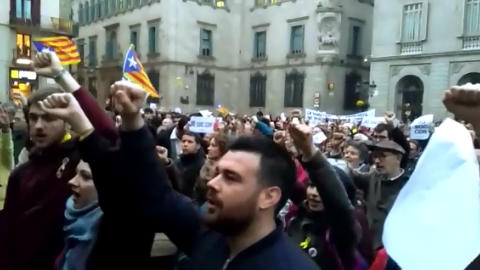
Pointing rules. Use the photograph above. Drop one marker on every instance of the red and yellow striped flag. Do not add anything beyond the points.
(65, 49)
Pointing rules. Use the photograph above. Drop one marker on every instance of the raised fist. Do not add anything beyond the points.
(47, 64)
(66, 107)
(128, 99)
(464, 102)
(302, 137)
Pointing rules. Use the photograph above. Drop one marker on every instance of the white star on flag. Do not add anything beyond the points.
(132, 62)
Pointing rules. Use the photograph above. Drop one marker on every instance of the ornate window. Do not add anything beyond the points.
(258, 90)
(111, 50)
(92, 11)
(260, 44)
(297, 39)
(294, 82)
(81, 18)
(87, 12)
(205, 89)
(206, 43)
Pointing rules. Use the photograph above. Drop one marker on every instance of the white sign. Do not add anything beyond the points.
(319, 138)
(372, 122)
(441, 196)
(153, 106)
(313, 117)
(26, 74)
(420, 127)
(202, 124)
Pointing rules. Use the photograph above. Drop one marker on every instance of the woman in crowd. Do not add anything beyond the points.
(356, 156)
(217, 148)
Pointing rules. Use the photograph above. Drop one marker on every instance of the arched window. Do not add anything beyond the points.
(409, 97)
(111, 50)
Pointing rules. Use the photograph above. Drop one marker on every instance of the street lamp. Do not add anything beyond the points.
(372, 89)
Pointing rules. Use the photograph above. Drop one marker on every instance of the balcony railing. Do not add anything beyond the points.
(471, 43)
(409, 48)
(56, 25)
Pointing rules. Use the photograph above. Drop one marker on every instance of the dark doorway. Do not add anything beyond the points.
(472, 77)
(351, 95)
(409, 98)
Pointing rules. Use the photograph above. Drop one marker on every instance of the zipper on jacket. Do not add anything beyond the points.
(225, 265)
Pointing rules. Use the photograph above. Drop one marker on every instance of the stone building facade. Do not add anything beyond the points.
(241, 54)
(417, 54)
(21, 21)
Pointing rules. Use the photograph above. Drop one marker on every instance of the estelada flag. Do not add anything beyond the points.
(65, 49)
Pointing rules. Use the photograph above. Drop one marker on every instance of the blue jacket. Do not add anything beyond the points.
(167, 212)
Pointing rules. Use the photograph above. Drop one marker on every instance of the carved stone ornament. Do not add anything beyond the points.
(425, 69)
(456, 67)
(328, 32)
(396, 70)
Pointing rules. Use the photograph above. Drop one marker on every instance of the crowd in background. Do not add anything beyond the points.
(86, 187)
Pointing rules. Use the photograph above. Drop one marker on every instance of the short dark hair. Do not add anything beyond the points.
(383, 127)
(42, 94)
(361, 147)
(148, 110)
(276, 167)
(197, 137)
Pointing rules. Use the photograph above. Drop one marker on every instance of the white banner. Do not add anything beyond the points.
(372, 122)
(314, 116)
(202, 124)
(420, 127)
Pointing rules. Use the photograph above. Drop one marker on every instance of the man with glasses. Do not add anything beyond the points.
(382, 185)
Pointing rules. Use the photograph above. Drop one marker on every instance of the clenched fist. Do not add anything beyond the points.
(47, 64)
(128, 100)
(302, 137)
(66, 107)
(464, 102)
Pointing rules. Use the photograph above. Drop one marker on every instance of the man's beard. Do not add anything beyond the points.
(232, 223)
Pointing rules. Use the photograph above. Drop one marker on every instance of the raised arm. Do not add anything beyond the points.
(156, 201)
(338, 208)
(99, 119)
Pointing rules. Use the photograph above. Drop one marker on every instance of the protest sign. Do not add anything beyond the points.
(372, 122)
(434, 221)
(420, 127)
(202, 124)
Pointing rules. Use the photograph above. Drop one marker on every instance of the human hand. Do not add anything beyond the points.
(390, 118)
(279, 137)
(302, 138)
(162, 153)
(128, 99)
(47, 64)
(21, 98)
(66, 107)
(4, 120)
(464, 102)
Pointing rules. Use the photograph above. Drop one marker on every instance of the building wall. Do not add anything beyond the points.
(50, 12)
(440, 64)
(233, 39)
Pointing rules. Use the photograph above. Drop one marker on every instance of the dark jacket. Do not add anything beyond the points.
(189, 167)
(31, 230)
(163, 140)
(397, 136)
(167, 211)
(125, 238)
(336, 223)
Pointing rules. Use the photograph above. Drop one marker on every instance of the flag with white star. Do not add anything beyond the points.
(134, 72)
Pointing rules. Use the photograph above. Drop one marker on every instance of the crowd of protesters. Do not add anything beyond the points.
(133, 187)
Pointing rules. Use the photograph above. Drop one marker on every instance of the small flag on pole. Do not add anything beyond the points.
(63, 47)
(134, 72)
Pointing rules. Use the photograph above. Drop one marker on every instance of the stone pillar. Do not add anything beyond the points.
(329, 19)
